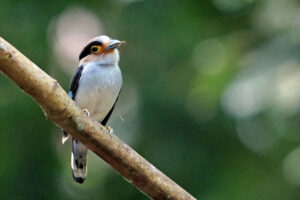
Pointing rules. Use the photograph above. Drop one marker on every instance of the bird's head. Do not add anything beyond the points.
(101, 49)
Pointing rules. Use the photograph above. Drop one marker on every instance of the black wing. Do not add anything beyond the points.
(75, 82)
(104, 121)
(72, 93)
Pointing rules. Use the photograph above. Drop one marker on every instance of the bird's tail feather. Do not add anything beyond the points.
(79, 161)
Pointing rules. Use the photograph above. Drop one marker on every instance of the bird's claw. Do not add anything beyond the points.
(109, 129)
(64, 137)
(86, 112)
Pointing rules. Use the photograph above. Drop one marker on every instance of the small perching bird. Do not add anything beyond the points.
(95, 87)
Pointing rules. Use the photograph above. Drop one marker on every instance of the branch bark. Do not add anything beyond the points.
(62, 111)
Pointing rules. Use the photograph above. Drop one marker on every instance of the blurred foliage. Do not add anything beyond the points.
(211, 97)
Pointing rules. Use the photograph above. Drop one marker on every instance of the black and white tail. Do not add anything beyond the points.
(79, 161)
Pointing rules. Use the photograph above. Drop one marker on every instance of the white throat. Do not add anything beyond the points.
(109, 58)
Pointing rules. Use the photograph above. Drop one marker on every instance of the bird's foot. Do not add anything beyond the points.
(109, 129)
(64, 137)
(86, 112)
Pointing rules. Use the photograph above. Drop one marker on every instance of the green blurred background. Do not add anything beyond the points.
(211, 96)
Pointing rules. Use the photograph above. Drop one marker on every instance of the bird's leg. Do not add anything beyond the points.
(86, 112)
(64, 137)
(109, 129)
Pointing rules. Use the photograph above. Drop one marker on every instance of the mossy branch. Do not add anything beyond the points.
(62, 111)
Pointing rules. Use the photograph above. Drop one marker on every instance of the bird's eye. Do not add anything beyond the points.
(95, 49)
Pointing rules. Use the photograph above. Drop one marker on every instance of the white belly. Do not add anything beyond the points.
(98, 89)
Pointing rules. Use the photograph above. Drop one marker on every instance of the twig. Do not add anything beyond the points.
(61, 110)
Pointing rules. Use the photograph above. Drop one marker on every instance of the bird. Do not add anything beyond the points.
(95, 87)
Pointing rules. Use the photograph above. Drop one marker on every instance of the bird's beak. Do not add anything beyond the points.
(113, 44)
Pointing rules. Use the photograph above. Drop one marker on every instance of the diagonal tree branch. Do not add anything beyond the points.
(62, 111)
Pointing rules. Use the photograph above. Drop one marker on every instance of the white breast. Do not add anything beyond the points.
(98, 89)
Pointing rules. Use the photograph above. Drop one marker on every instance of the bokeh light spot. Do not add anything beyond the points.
(291, 167)
(255, 135)
(209, 56)
(245, 97)
(287, 88)
(230, 6)
(70, 31)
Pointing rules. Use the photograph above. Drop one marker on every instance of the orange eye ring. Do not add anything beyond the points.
(95, 49)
